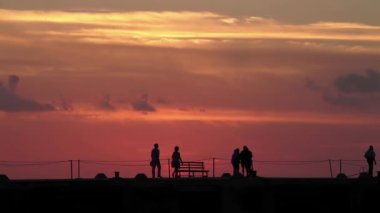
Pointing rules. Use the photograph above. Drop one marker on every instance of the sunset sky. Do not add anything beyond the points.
(105, 80)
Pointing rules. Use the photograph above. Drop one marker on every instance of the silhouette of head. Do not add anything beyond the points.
(176, 148)
(245, 148)
(156, 145)
(371, 147)
(237, 150)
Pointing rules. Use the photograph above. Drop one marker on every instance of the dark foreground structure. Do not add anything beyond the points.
(184, 195)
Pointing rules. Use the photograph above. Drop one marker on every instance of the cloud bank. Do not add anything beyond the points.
(11, 102)
(143, 105)
(355, 83)
(106, 104)
(354, 90)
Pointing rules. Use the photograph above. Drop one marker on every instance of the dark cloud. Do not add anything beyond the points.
(354, 83)
(106, 104)
(11, 102)
(143, 105)
(13, 81)
(352, 91)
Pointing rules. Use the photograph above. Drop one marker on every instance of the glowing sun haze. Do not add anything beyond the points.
(105, 81)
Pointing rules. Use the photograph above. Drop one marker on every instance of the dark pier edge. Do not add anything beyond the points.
(209, 195)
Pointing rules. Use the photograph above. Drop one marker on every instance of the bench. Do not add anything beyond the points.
(191, 168)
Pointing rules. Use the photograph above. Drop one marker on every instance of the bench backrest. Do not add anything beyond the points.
(192, 168)
(192, 165)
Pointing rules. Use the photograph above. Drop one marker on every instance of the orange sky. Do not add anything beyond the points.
(107, 84)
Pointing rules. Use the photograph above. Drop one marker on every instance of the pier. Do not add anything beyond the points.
(183, 195)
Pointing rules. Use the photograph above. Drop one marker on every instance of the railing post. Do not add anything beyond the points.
(331, 172)
(213, 167)
(78, 169)
(169, 167)
(71, 169)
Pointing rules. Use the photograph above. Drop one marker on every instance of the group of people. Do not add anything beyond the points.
(243, 158)
(239, 158)
(155, 161)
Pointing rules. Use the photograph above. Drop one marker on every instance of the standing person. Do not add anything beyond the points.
(155, 162)
(176, 161)
(235, 161)
(246, 160)
(370, 156)
(242, 165)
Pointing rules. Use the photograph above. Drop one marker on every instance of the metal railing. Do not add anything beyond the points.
(217, 166)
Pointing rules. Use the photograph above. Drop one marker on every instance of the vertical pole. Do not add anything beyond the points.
(78, 169)
(331, 172)
(117, 175)
(213, 167)
(169, 167)
(340, 166)
(71, 169)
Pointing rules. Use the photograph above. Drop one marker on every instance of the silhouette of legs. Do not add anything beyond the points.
(370, 167)
(154, 165)
(175, 173)
(153, 171)
(236, 169)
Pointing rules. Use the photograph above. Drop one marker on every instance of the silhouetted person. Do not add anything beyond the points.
(235, 161)
(242, 166)
(246, 160)
(370, 156)
(155, 162)
(176, 161)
